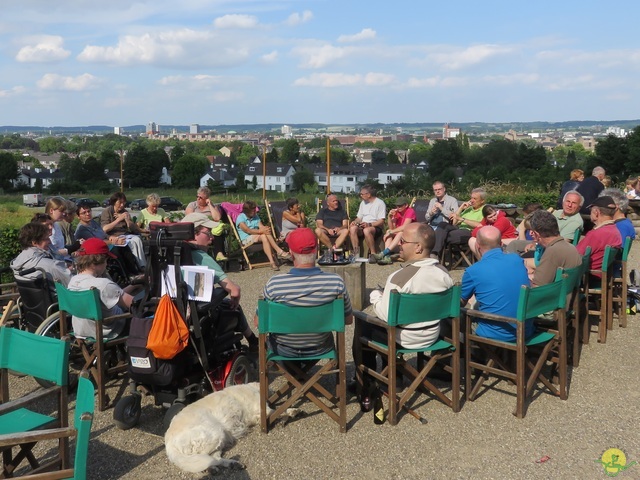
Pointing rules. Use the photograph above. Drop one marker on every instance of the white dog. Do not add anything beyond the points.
(200, 432)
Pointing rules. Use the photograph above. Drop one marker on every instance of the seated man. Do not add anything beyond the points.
(34, 240)
(558, 253)
(202, 240)
(461, 222)
(91, 262)
(495, 281)
(116, 221)
(623, 224)
(399, 218)
(603, 234)
(332, 224)
(369, 221)
(421, 274)
(305, 285)
(440, 207)
(569, 219)
(203, 204)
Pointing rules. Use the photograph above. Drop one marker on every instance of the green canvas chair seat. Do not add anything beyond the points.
(531, 355)
(301, 379)
(405, 310)
(21, 427)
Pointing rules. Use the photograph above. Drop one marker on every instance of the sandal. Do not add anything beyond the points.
(275, 267)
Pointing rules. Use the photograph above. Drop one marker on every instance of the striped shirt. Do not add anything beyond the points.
(306, 287)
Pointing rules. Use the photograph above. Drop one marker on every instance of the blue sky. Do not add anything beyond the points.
(125, 62)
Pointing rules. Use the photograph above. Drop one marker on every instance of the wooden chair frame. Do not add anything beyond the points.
(274, 213)
(525, 374)
(601, 293)
(620, 285)
(301, 381)
(404, 310)
(45, 358)
(86, 304)
(248, 249)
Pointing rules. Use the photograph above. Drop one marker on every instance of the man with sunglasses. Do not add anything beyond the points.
(420, 274)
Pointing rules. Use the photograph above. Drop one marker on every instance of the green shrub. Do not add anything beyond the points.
(9, 246)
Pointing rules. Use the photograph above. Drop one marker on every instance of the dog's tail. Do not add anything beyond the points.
(192, 462)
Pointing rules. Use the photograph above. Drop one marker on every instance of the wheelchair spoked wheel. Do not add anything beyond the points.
(241, 371)
(126, 413)
(51, 328)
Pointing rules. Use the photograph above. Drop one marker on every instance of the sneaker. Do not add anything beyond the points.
(373, 259)
(378, 256)
(386, 260)
(220, 257)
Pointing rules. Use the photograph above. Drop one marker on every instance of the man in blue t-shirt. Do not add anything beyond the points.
(495, 281)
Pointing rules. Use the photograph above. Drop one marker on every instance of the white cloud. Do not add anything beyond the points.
(45, 48)
(17, 90)
(364, 34)
(195, 81)
(320, 56)
(513, 79)
(174, 48)
(297, 19)
(53, 81)
(473, 55)
(437, 81)
(269, 58)
(236, 21)
(331, 80)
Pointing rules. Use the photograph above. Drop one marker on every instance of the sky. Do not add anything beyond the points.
(214, 62)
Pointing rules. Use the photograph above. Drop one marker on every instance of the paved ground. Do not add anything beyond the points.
(483, 441)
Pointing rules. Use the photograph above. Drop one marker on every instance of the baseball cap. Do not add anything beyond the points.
(605, 201)
(94, 246)
(402, 201)
(199, 220)
(302, 240)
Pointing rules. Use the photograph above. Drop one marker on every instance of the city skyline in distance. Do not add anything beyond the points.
(247, 62)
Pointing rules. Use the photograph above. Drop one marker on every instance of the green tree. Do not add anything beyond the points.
(143, 167)
(392, 158)
(290, 151)
(188, 170)
(612, 153)
(418, 152)
(8, 169)
(302, 178)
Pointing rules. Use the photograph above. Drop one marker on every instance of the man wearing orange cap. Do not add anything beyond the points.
(305, 285)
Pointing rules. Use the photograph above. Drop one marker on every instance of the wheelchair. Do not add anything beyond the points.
(214, 358)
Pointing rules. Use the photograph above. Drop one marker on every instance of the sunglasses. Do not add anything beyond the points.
(403, 241)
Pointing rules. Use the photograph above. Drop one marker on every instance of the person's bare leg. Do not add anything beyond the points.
(369, 237)
(324, 238)
(266, 246)
(342, 238)
(353, 234)
(474, 247)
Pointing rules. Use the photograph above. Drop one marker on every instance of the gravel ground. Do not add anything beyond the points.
(483, 440)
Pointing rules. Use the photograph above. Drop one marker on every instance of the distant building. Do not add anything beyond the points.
(194, 128)
(279, 177)
(617, 131)
(450, 132)
(226, 151)
(287, 131)
(118, 130)
(152, 128)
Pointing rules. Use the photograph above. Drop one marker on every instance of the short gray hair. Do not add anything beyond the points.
(574, 192)
(622, 202)
(153, 199)
(204, 191)
(480, 191)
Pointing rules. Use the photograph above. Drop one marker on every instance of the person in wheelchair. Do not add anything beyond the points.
(35, 240)
(203, 238)
(91, 263)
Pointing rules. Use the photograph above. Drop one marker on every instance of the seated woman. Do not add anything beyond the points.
(202, 240)
(116, 221)
(56, 208)
(497, 218)
(203, 204)
(397, 220)
(35, 240)
(88, 228)
(251, 230)
(153, 213)
(91, 263)
(292, 218)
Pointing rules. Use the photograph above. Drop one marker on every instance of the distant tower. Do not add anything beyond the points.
(118, 130)
(287, 131)
(194, 128)
(152, 128)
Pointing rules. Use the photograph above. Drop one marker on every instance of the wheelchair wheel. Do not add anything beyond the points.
(126, 413)
(240, 373)
(50, 327)
(172, 411)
